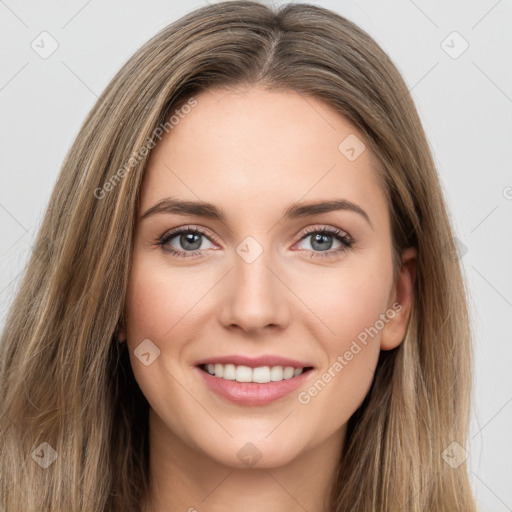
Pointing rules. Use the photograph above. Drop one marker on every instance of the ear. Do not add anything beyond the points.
(400, 302)
(121, 332)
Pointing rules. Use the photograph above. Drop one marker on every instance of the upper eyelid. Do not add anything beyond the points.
(322, 227)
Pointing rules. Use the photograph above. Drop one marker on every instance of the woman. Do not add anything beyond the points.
(190, 336)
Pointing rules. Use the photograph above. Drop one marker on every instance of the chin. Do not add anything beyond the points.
(259, 453)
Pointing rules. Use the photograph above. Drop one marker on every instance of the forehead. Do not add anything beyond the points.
(258, 150)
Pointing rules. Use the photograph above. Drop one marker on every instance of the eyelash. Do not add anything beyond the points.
(346, 241)
(341, 236)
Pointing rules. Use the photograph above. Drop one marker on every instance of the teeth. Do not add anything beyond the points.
(261, 374)
(219, 370)
(243, 374)
(229, 372)
(276, 373)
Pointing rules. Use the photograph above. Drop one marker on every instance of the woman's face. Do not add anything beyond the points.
(260, 286)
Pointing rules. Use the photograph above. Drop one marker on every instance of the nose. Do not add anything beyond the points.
(255, 297)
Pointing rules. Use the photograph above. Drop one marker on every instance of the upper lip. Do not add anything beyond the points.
(254, 362)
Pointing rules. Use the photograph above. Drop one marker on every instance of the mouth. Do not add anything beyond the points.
(253, 386)
(259, 374)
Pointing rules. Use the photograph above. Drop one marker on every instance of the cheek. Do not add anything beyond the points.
(347, 305)
(347, 301)
(157, 299)
(358, 306)
(157, 303)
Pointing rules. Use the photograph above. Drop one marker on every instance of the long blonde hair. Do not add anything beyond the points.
(65, 381)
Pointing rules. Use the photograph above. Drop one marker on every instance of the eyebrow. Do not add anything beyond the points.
(210, 211)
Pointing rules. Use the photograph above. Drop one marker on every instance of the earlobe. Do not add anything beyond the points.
(401, 300)
(121, 333)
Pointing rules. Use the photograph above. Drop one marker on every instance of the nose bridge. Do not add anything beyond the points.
(256, 296)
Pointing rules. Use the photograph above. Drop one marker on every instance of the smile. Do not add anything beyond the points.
(261, 385)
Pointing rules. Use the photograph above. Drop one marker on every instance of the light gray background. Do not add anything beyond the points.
(465, 104)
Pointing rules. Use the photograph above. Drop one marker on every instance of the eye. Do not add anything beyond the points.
(322, 240)
(186, 242)
(188, 239)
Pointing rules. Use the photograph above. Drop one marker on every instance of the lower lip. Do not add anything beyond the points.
(252, 393)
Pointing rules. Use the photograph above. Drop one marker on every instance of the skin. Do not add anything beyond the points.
(252, 153)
